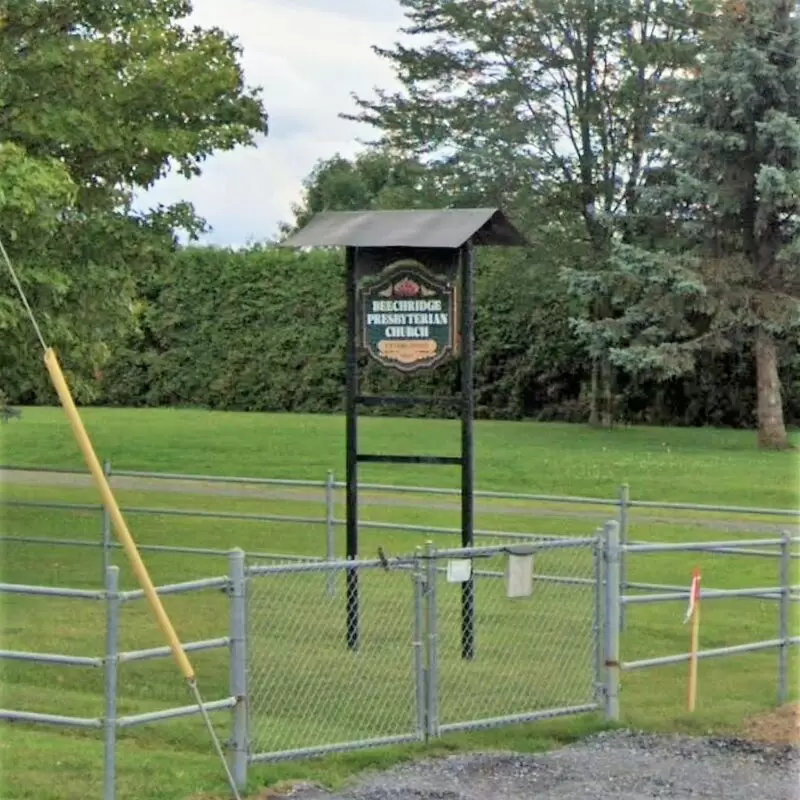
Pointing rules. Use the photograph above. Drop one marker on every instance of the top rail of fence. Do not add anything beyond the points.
(727, 546)
(177, 476)
(51, 591)
(578, 500)
(173, 476)
(60, 470)
(430, 490)
(754, 510)
(186, 587)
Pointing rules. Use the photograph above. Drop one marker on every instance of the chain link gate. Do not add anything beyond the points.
(309, 693)
(535, 656)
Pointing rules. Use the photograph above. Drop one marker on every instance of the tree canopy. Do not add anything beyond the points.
(664, 138)
(99, 99)
(649, 150)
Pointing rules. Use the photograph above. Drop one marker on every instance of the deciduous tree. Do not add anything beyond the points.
(554, 98)
(99, 99)
(374, 179)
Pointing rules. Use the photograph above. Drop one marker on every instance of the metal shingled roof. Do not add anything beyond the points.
(449, 228)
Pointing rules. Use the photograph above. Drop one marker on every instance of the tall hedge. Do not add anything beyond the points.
(250, 330)
(263, 329)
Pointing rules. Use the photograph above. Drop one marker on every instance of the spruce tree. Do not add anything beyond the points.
(730, 200)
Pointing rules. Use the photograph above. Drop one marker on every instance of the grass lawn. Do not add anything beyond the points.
(660, 464)
(172, 761)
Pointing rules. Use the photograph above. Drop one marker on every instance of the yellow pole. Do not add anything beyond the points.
(109, 501)
(694, 648)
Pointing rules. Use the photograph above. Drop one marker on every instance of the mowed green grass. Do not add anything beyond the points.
(673, 464)
(532, 653)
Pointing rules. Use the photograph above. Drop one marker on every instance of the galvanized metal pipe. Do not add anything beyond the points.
(51, 591)
(679, 547)
(240, 745)
(612, 625)
(330, 749)
(174, 713)
(783, 621)
(179, 588)
(630, 666)
(624, 502)
(330, 531)
(158, 548)
(597, 622)
(178, 476)
(517, 719)
(705, 594)
(432, 642)
(431, 490)
(162, 652)
(396, 526)
(108, 534)
(50, 658)
(50, 719)
(113, 609)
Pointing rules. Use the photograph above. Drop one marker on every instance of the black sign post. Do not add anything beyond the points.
(467, 442)
(410, 306)
(351, 455)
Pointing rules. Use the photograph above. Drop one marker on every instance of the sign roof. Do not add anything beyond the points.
(446, 228)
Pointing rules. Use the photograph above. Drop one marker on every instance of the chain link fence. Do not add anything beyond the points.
(435, 650)
(535, 654)
(309, 691)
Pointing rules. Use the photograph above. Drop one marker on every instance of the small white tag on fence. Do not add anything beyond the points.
(519, 576)
(459, 570)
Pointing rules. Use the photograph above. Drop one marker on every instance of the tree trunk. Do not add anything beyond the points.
(607, 373)
(771, 427)
(594, 395)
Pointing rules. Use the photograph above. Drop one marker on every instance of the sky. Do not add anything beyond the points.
(308, 55)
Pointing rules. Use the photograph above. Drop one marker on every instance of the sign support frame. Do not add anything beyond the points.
(465, 308)
(441, 241)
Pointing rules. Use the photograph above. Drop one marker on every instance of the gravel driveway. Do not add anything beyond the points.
(608, 766)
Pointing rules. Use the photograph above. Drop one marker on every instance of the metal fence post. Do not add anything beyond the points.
(106, 527)
(419, 647)
(330, 530)
(238, 667)
(612, 608)
(624, 501)
(783, 621)
(432, 649)
(111, 665)
(597, 626)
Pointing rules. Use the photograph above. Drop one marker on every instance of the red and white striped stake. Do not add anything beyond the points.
(693, 614)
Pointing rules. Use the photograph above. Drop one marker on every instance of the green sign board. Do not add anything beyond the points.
(408, 317)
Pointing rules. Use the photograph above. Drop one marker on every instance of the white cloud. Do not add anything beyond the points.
(308, 55)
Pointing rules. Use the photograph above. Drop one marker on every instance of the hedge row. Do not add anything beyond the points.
(264, 330)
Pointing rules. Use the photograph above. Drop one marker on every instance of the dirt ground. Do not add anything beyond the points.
(781, 726)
